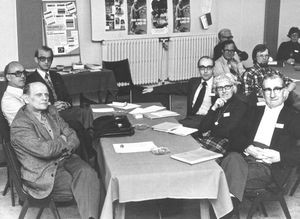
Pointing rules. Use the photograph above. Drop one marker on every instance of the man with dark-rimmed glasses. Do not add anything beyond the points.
(12, 99)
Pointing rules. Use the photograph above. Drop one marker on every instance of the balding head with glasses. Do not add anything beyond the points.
(15, 74)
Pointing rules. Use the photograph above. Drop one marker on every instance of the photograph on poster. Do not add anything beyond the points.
(137, 17)
(159, 19)
(115, 15)
(61, 27)
(181, 14)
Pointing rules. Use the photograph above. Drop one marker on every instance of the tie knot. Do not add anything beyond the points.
(47, 75)
(204, 83)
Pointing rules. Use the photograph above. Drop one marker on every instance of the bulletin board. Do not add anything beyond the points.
(60, 24)
(121, 19)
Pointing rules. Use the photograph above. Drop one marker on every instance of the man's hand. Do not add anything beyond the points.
(219, 103)
(147, 90)
(271, 156)
(255, 152)
(291, 61)
(61, 105)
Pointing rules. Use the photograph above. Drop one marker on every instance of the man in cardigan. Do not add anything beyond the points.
(198, 91)
(264, 146)
(44, 145)
(58, 93)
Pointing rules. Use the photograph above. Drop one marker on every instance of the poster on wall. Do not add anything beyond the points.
(115, 15)
(137, 17)
(181, 15)
(159, 19)
(61, 27)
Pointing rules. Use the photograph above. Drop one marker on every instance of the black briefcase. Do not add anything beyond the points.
(112, 126)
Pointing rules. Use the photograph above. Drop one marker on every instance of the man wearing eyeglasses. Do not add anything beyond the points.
(58, 93)
(229, 62)
(264, 146)
(12, 99)
(225, 34)
(253, 77)
(198, 91)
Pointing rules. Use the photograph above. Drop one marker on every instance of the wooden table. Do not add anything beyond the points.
(143, 176)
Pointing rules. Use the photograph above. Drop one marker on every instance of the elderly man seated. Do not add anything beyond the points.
(224, 116)
(229, 62)
(264, 146)
(44, 145)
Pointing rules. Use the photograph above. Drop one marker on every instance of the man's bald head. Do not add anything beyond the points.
(15, 74)
(36, 96)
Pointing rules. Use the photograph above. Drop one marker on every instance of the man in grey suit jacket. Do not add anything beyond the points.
(44, 145)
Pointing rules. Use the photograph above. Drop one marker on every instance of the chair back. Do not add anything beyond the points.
(4, 128)
(14, 168)
(121, 71)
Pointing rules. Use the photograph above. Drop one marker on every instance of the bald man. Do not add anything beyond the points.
(223, 35)
(45, 147)
(12, 99)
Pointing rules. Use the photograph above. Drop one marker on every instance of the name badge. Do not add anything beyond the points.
(279, 125)
(297, 51)
(212, 94)
(261, 103)
(226, 114)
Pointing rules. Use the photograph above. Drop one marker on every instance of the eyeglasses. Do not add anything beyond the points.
(229, 50)
(43, 59)
(224, 88)
(202, 67)
(18, 73)
(228, 37)
(276, 90)
(263, 56)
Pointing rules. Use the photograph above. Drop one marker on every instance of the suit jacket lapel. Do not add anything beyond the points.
(281, 120)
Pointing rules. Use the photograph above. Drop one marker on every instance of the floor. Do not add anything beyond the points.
(166, 209)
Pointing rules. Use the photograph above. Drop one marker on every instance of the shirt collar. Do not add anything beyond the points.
(209, 82)
(276, 109)
(15, 91)
(41, 72)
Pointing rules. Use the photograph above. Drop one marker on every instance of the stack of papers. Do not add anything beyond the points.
(134, 147)
(148, 109)
(124, 105)
(196, 156)
(161, 114)
(102, 110)
(174, 128)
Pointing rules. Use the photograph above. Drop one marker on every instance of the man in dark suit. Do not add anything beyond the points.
(264, 146)
(58, 93)
(198, 91)
(44, 145)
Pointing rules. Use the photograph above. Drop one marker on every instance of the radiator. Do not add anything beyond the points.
(184, 53)
(150, 63)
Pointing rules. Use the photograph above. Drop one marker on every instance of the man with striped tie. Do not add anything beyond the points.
(58, 93)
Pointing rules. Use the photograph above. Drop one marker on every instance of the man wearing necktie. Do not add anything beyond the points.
(198, 91)
(229, 62)
(58, 93)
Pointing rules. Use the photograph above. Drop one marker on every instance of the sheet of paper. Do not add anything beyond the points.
(102, 110)
(183, 131)
(134, 147)
(124, 105)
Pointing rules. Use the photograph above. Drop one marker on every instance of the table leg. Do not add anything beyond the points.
(119, 210)
(204, 209)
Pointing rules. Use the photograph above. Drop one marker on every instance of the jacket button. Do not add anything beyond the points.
(52, 175)
(55, 163)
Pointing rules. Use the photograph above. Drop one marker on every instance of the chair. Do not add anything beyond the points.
(296, 184)
(122, 74)
(4, 134)
(24, 197)
(273, 192)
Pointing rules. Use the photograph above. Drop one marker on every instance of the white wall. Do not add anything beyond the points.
(289, 17)
(245, 19)
(8, 34)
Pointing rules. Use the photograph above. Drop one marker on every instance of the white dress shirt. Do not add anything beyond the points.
(11, 102)
(206, 104)
(267, 125)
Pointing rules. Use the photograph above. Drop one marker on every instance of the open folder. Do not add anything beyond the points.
(196, 156)
(134, 147)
